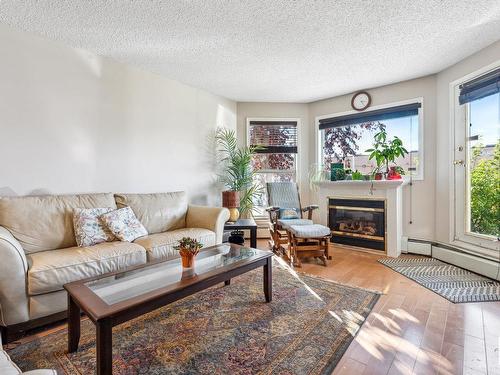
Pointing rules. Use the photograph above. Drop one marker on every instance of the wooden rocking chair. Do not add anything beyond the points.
(294, 237)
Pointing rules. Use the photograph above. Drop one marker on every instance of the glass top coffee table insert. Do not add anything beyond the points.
(114, 298)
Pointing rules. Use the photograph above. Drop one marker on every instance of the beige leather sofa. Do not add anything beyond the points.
(7, 367)
(38, 252)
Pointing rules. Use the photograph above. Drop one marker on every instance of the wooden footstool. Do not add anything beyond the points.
(307, 241)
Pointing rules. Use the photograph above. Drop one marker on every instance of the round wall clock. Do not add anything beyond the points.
(361, 100)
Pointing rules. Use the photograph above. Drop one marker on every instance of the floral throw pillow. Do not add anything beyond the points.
(124, 224)
(89, 229)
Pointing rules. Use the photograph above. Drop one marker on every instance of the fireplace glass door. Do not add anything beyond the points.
(358, 222)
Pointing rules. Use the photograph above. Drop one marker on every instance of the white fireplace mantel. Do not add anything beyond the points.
(390, 191)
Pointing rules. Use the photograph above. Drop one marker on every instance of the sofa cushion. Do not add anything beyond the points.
(42, 223)
(50, 270)
(161, 245)
(157, 212)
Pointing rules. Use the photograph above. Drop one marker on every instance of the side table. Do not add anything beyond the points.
(242, 224)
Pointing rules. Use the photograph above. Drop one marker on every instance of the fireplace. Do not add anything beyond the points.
(358, 222)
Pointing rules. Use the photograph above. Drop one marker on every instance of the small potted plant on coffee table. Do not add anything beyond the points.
(188, 249)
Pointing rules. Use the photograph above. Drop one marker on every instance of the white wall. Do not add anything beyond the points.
(445, 143)
(71, 121)
(283, 110)
(422, 199)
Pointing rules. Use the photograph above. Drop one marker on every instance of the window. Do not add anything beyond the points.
(477, 161)
(277, 160)
(345, 138)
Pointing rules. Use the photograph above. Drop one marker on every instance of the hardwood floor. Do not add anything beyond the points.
(412, 330)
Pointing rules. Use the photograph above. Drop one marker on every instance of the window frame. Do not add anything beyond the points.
(277, 119)
(319, 141)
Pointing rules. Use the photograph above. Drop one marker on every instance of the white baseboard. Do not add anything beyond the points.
(417, 247)
(478, 265)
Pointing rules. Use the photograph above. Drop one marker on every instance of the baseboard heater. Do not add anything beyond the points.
(454, 255)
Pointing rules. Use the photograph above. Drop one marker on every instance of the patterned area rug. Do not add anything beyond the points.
(224, 330)
(453, 283)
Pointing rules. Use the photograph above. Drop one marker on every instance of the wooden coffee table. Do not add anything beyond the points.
(117, 297)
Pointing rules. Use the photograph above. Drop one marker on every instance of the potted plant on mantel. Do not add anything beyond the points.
(386, 151)
(237, 174)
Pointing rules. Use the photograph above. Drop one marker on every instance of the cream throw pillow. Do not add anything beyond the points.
(124, 224)
(89, 229)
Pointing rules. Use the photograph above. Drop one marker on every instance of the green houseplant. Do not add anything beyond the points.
(357, 176)
(385, 151)
(237, 174)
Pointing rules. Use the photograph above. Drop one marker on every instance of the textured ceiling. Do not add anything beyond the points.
(263, 50)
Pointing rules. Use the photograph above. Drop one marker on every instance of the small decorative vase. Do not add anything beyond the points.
(187, 258)
(378, 176)
(234, 214)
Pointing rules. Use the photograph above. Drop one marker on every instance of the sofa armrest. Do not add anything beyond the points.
(13, 274)
(211, 218)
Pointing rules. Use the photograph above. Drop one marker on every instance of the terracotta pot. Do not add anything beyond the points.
(378, 176)
(230, 199)
(187, 258)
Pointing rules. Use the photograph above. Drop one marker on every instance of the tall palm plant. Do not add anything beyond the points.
(237, 172)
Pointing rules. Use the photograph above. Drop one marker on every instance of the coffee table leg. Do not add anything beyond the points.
(227, 282)
(268, 279)
(104, 347)
(73, 325)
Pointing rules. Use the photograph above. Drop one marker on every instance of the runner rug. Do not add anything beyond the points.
(453, 283)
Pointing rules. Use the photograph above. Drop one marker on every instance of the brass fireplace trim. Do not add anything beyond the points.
(351, 208)
(363, 198)
(358, 235)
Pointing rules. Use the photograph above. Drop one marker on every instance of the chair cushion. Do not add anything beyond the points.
(285, 223)
(7, 367)
(42, 223)
(309, 231)
(161, 245)
(157, 212)
(50, 270)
